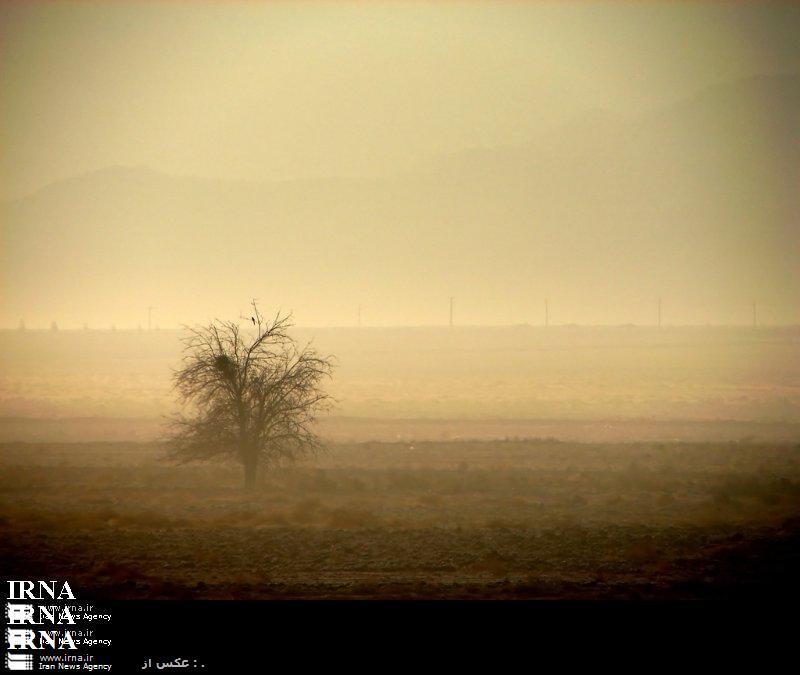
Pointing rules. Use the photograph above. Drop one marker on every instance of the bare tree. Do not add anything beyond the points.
(253, 393)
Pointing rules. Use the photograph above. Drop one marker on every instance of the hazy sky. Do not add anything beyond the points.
(273, 91)
(263, 90)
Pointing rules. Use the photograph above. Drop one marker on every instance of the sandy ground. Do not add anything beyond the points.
(490, 519)
(337, 429)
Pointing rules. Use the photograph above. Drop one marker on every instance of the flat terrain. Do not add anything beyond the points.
(676, 473)
(471, 519)
(568, 373)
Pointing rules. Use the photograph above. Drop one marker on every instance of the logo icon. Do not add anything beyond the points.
(16, 613)
(19, 661)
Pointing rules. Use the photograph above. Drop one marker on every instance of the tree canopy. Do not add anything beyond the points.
(249, 393)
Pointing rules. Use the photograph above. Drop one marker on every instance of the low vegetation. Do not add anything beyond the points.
(451, 519)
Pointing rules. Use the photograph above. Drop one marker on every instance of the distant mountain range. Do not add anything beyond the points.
(701, 197)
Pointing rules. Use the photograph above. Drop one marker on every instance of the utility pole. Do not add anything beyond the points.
(659, 312)
(149, 318)
(755, 319)
(546, 312)
(451, 312)
(359, 316)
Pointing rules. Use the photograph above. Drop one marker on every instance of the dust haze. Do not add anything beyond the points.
(552, 247)
(325, 156)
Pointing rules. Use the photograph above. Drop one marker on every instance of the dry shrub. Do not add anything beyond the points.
(500, 524)
(642, 552)
(273, 518)
(430, 500)
(146, 520)
(492, 563)
(347, 518)
(306, 511)
(248, 517)
(115, 572)
(323, 483)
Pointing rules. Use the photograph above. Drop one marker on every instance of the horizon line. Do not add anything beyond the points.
(447, 327)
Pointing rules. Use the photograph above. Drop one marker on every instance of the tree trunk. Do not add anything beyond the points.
(250, 471)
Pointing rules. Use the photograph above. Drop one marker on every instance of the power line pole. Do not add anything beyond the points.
(451, 312)
(755, 319)
(659, 312)
(359, 316)
(149, 318)
(546, 312)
